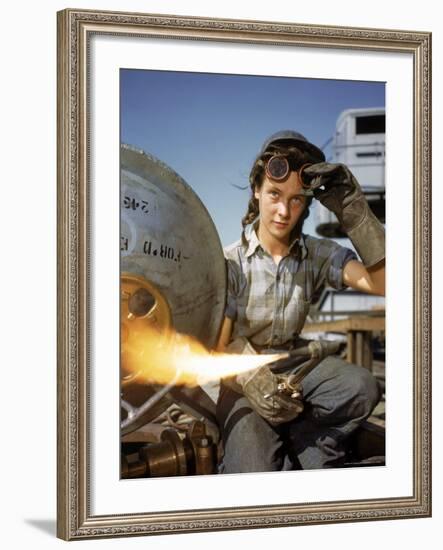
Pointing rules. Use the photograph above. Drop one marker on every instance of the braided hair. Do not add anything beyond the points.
(298, 157)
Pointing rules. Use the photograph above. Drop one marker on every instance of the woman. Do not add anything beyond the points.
(275, 271)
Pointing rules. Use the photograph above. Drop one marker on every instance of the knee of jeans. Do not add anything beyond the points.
(364, 392)
(252, 446)
(371, 389)
(255, 460)
(354, 395)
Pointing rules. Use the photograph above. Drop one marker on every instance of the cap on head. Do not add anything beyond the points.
(299, 141)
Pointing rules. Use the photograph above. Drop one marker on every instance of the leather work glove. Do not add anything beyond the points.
(260, 386)
(337, 189)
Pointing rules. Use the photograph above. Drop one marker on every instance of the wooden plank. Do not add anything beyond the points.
(344, 325)
(367, 350)
(359, 348)
(350, 350)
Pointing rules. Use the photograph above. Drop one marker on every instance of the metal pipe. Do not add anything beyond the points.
(128, 408)
(136, 413)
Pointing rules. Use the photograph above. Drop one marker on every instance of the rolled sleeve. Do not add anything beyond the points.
(329, 260)
(338, 260)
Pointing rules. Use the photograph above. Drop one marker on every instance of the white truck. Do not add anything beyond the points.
(358, 142)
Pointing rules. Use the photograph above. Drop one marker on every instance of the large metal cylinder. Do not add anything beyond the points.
(173, 275)
(168, 237)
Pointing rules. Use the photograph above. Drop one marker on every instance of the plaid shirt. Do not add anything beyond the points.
(269, 303)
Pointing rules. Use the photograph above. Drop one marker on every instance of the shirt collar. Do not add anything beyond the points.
(297, 245)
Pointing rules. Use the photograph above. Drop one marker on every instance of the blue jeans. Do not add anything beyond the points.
(338, 397)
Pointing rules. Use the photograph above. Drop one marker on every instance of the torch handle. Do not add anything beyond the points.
(315, 352)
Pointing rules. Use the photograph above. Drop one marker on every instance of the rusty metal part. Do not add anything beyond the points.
(133, 469)
(167, 458)
(174, 455)
(204, 450)
(204, 456)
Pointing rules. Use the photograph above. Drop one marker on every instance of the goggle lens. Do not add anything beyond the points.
(277, 168)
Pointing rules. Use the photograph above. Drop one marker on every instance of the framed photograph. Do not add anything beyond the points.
(163, 125)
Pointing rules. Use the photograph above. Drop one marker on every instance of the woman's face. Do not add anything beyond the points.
(281, 206)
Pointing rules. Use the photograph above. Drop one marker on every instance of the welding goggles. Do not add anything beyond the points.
(277, 168)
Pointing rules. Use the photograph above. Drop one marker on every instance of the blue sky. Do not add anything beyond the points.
(209, 127)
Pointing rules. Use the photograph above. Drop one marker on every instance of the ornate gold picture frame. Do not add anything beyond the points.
(77, 516)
